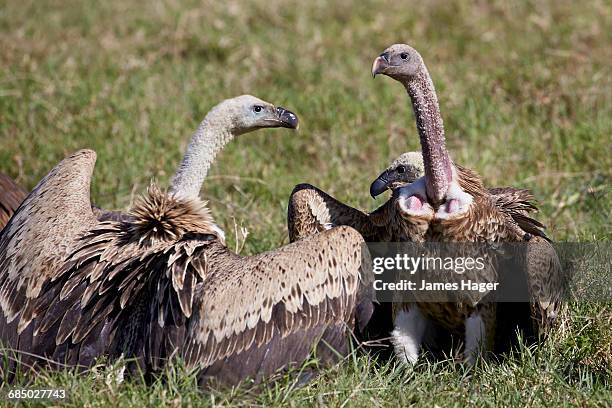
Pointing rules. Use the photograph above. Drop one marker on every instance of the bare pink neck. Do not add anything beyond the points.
(437, 163)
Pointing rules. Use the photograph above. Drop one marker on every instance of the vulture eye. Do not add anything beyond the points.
(404, 55)
(401, 169)
(257, 108)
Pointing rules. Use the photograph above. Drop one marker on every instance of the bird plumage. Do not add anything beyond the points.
(159, 283)
(311, 210)
(154, 290)
(462, 209)
(11, 196)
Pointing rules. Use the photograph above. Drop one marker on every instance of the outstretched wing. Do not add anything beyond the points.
(129, 285)
(311, 210)
(162, 283)
(41, 234)
(11, 196)
(258, 314)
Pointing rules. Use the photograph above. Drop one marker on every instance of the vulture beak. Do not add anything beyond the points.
(380, 64)
(287, 118)
(380, 185)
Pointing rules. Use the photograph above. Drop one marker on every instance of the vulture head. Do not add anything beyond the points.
(247, 113)
(403, 170)
(400, 62)
(228, 119)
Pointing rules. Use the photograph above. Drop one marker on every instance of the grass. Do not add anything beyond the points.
(524, 88)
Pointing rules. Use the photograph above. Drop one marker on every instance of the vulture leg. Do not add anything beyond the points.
(409, 332)
(479, 333)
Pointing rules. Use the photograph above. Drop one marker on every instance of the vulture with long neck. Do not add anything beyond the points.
(460, 209)
(312, 210)
(11, 196)
(161, 283)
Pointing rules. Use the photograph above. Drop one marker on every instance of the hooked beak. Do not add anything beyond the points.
(381, 63)
(380, 185)
(287, 119)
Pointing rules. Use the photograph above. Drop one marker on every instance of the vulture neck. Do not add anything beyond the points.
(212, 135)
(436, 161)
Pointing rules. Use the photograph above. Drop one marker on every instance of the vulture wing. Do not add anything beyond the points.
(11, 196)
(262, 313)
(545, 282)
(311, 210)
(128, 286)
(162, 283)
(40, 236)
(519, 204)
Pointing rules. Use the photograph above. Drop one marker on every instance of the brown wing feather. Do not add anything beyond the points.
(503, 215)
(519, 204)
(311, 210)
(11, 196)
(315, 281)
(40, 234)
(132, 279)
(545, 282)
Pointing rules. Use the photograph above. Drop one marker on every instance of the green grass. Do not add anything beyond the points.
(525, 91)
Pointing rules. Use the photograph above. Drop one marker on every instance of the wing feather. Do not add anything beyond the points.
(545, 282)
(309, 283)
(11, 196)
(40, 234)
(312, 210)
(107, 279)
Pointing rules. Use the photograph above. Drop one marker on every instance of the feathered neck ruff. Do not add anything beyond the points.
(470, 182)
(162, 216)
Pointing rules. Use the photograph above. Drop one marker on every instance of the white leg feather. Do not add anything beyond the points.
(408, 334)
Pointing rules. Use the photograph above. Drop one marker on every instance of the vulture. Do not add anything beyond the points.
(460, 209)
(312, 210)
(11, 195)
(160, 283)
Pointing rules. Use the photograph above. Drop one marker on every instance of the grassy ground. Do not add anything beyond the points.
(525, 91)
